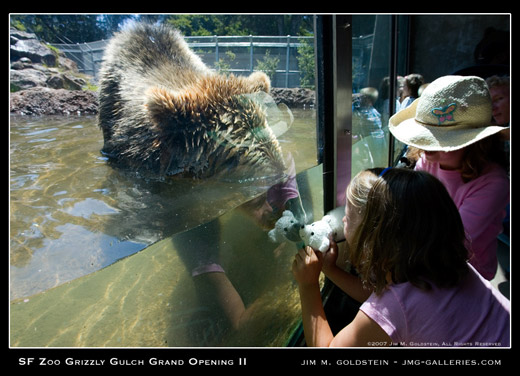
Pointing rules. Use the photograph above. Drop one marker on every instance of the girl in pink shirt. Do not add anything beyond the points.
(407, 242)
(450, 134)
(481, 203)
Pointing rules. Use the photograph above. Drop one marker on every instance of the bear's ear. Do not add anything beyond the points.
(163, 104)
(327, 218)
(259, 81)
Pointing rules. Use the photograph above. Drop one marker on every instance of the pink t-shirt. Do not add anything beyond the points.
(472, 314)
(481, 203)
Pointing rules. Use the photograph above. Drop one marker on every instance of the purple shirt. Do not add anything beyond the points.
(473, 314)
(481, 203)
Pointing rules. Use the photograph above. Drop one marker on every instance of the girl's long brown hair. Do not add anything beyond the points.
(410, 231)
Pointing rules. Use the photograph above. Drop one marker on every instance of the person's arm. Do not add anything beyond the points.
(315, 325)
(218, 289)
(363, 331)
(347, 282)
(306, 269)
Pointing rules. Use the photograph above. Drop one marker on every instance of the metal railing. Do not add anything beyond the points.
(236, 54)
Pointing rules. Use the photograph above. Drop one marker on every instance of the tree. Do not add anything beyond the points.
(70, 28)
(200, 25)
(306, 63)
(210, 24)
(268, 64)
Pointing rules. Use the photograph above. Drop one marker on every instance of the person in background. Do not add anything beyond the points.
(499, 89)
(410, 90)
(449, 134)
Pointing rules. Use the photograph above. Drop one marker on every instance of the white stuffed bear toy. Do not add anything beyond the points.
(286, 228)
(317, 234)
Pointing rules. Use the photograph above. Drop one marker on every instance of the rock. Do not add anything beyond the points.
(65, 81)
(294, 97)
(23, 63)
(18, 65)
(16, 35)
(46, 101)
(67, 64)
(27, 78)
(34, 50)
(42, 85)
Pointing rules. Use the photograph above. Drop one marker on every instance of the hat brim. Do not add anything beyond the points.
(406, 129)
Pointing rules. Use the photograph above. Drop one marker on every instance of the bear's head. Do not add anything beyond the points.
(286, 228)
(215, 128)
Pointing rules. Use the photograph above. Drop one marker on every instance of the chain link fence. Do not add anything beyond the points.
(241, 55)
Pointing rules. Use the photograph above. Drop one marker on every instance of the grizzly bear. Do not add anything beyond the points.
(162, 110)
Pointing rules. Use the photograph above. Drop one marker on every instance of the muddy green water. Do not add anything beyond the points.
(72, 217)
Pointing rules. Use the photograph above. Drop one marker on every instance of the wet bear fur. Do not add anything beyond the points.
(162, 110)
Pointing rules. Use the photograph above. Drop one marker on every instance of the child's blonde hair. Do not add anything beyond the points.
(411, 230)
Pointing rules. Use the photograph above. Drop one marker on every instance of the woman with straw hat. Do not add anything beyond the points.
(449, 130)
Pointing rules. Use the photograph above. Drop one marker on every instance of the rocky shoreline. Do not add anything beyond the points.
(47, 101)
(37, 101)
(44, 82)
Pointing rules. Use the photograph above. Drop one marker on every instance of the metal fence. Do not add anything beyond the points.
(236, 54)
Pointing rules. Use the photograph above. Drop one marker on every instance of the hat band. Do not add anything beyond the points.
(452, 126)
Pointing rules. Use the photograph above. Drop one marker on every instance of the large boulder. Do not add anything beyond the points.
(27, 45)
(45, 83)
(27, 78)
(65, 81)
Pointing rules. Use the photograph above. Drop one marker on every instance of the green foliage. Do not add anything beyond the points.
(306, 64)
(268, 64)
(224, 65)
(14, 88)
(18, 25)
(221, 24)
(61, 28)
(203, 25)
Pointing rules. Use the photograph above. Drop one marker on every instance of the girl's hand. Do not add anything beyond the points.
(330, 257)
(307, 266)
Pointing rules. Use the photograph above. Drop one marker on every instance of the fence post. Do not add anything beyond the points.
(288, 54)
(251, 53)
(216, 51)
(92, 62)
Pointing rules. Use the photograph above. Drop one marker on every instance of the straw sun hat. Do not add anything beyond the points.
(452, 112)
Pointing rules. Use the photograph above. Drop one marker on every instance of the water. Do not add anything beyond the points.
(72, 214)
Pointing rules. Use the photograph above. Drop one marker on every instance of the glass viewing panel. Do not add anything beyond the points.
(371, 72)
(195, 265)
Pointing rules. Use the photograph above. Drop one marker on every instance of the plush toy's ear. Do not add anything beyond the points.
(274, 236)
(287, 213)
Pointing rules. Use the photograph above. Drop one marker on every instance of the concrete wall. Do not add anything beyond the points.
(443, 44)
